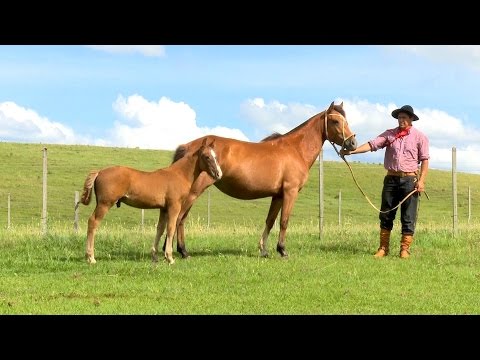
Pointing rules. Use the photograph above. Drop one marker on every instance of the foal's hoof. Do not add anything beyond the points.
(170, 261)
(90, 259)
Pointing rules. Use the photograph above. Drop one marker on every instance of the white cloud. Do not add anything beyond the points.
(20, 124)
(165, 124)
(368, 120)
(146, 124)
(160, 125)
(467, 55)
(147, 50)
(275, 116)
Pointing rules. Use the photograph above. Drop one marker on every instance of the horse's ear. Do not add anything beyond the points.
(331, 107)
(341, 105)
(212, 144)
(204, 142)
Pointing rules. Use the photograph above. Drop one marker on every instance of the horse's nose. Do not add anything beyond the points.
(351, 144)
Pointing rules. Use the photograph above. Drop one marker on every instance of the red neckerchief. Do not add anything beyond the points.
(400, 134)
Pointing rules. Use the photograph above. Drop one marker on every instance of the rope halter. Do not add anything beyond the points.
(343, 133)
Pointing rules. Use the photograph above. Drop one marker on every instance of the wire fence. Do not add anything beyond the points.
(40, 187)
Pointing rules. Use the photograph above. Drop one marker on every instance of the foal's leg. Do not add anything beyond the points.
(289, 197)
(275, 207)
(93, 222)
(173, 211)
(181, 234)
(202, 182)
(162, 222)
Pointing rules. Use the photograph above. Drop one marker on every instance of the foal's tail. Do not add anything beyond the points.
(88, 186)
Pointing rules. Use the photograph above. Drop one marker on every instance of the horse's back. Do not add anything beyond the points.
(253, 170)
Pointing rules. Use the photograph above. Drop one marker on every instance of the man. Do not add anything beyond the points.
(406, 147)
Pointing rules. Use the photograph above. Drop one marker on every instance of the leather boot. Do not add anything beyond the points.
(405, 246)
(384, 243)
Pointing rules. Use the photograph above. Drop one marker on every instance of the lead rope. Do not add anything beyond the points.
(351, 171)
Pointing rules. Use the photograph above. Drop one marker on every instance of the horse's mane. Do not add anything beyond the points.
(179, 153)
(337, 108)
(273, 136)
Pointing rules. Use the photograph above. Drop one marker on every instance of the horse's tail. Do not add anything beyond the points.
(87, 187)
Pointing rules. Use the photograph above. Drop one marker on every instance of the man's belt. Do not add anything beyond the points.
(401, 173)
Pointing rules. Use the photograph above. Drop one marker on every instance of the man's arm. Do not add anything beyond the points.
(420, 185)
(361, 149)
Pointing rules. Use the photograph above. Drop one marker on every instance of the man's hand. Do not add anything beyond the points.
(344, 152)
(420, 186)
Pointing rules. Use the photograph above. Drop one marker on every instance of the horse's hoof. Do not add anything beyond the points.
(264, 254)
(154, 253)
(91, 261)
(185, 255)
(282, 252)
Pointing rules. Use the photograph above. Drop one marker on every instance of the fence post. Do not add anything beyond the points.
(75, 216)
(340, 208)
(454, 190)
(44, 193)
(8, 211)
(320, 194)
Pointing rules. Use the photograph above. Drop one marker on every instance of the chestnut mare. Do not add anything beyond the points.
(278, 166)
(164, 188)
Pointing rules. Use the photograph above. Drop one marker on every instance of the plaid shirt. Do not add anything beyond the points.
(404, 153)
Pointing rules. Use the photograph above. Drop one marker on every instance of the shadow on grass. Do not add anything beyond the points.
(219, 252)
(139, 255)
(345, 249)
(130, 255)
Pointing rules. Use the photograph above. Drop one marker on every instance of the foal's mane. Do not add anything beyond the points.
(179, 153)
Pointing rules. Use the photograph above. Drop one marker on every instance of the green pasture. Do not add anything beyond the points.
(334, 274)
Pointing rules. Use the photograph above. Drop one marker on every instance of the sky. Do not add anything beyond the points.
(158, 97)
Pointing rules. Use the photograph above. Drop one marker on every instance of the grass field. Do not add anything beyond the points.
(47, 274)
(225, 275)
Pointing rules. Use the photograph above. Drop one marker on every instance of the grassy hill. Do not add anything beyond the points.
(68, 166)
(333, 275)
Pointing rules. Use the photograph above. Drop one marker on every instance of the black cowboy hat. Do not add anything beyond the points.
(406, 109)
